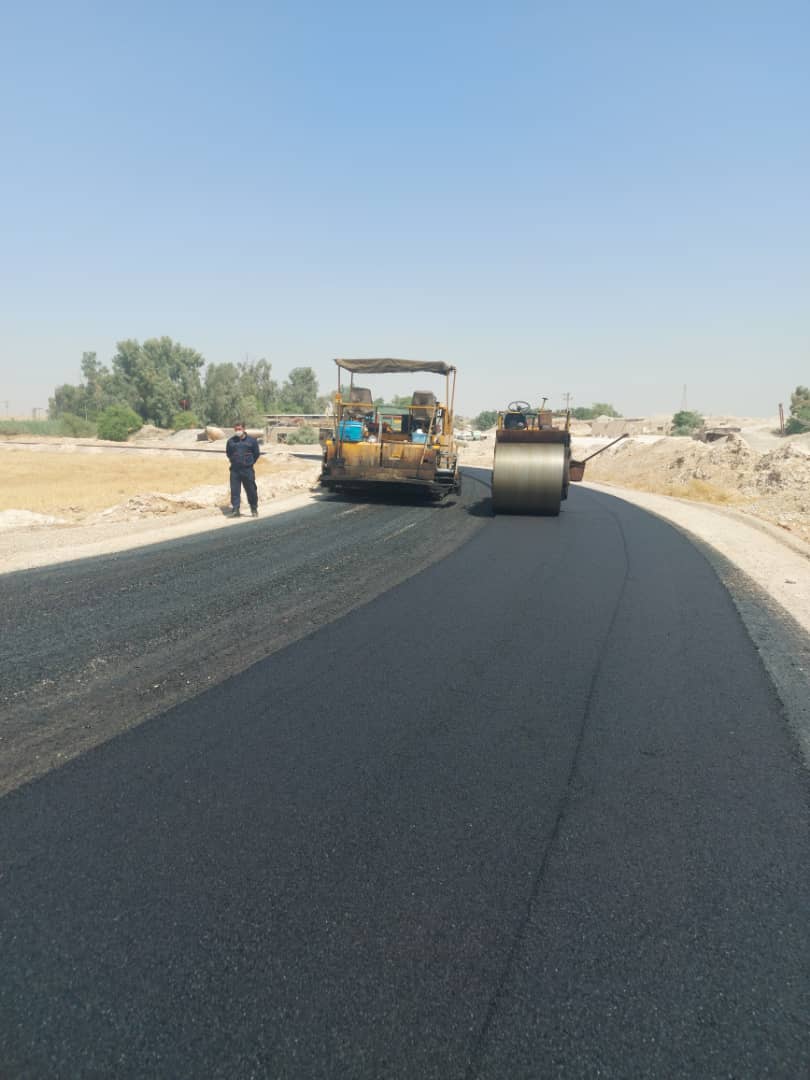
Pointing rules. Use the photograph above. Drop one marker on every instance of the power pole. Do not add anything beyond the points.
(683, 399)
(567, 400)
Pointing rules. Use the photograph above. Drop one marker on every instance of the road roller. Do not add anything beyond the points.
(531, 471)
(533, 465)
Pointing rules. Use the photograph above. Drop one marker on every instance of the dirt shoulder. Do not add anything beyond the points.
(62, 500)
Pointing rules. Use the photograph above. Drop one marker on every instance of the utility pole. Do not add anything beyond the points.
(567, 400)
(781, 418)
(37, 409)
(683, 399)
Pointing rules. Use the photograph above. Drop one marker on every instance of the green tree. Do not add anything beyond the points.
(256, 382)
(67, 399)
(117, 422)
(76, 426)
(599, 408)
(685, 422)
(94, 393)
(221, 394)
(249, 411)
(98, 388)
(158, 377)
(485, 420)
(799, 419)
(185, 420)
(299, 394)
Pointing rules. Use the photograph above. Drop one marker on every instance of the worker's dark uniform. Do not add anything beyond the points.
(243, 454)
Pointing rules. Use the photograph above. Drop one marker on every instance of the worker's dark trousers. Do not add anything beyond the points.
(248, 478)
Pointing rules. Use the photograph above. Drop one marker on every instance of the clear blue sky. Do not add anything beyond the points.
(610, 199)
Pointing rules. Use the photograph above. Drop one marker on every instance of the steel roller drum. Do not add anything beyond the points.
(528, 478)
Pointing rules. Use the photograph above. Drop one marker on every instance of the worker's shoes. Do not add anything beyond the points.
(235, 513)
(254, 511)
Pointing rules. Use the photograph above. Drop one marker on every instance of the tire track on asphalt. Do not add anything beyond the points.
(537, 885)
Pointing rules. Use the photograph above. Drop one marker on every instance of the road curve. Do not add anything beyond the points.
(534, 811)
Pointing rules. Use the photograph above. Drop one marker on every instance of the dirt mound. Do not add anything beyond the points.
(774, 485)
(187, 437)
(148, 433)
(209, 496)
(728, 465)
(155, 503)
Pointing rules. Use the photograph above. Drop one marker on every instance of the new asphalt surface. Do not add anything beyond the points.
(534, 811)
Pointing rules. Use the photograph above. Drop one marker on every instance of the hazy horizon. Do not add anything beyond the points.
(387, 386)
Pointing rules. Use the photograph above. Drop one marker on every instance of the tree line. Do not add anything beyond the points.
(168, 384)
(799, 420)
(163, 383)
(683, 423)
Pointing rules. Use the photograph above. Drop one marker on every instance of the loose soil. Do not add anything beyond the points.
(64, 499)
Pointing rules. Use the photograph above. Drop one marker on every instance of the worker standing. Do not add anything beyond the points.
(243, 453)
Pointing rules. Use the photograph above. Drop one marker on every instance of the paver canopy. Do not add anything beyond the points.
(388, 366)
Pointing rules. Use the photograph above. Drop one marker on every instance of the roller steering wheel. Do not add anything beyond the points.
(519, 406)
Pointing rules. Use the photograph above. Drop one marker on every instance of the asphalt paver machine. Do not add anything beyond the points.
(376, 447)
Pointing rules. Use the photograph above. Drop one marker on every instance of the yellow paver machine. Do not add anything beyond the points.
(378, 447)
(533, 466)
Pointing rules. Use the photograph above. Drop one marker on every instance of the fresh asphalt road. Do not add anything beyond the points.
(534, 811)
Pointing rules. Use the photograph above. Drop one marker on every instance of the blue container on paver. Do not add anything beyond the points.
(351, 430)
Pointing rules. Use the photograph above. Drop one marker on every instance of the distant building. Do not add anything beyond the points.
(278, 426)
(613, 426)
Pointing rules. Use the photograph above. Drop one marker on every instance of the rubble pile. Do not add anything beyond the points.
(774, 485)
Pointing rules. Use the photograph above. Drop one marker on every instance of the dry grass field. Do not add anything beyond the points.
(66, 484)
(692, 488)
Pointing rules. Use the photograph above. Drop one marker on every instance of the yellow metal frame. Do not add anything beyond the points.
(368, 462)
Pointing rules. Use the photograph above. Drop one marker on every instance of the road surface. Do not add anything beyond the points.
(533, 811)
